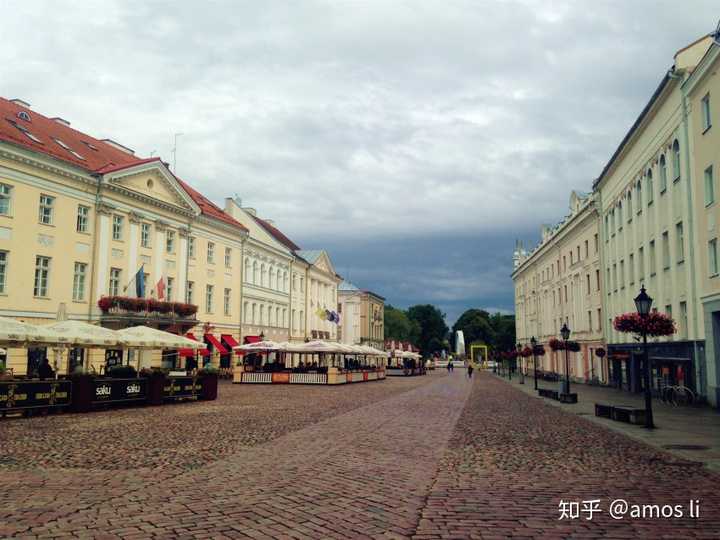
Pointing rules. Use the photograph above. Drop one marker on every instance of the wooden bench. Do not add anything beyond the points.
(628, 414)
(602, 410)
(567, 398)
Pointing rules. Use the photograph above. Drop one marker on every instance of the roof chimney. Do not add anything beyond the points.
(20, 102)
(118, 146)
(232, 208)
(61, 121)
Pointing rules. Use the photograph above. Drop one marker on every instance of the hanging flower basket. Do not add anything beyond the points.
(572, 346)
(526, 352)
(656, 324)
(600, 353)
(539, 350)
(556, 345)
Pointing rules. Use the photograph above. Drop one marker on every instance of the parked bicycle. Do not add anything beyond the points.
(677, 395)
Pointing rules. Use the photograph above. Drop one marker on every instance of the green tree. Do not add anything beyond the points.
(504, 327)
(476, 327)
(398, 326)
(433, 329)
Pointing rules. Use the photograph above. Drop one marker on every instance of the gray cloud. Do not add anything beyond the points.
(362, 121)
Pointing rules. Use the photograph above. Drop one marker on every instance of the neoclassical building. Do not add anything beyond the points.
(321, 296)
(90, 231)
(362, 316)
(559, 282)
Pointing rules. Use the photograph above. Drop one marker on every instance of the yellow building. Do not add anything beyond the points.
(82, 219)
(362, 316)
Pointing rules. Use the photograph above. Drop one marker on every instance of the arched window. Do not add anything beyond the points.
(663, 174)
(676, 160)
(256, 275)
(271, 275)
(246, 312)
(650, 190)
(638, 193)
(285, 282)
(262, 315)
(254, 313)
(629, 206)
(248, 276)
(302, 320)
(270, 316)
(620, 216)
(277, 316)
(263, 276)
(278, 282)
(293, 320)
(284, 317)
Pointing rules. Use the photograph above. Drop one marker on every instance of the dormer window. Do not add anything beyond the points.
(24, 115)
(90, 146)
(66, 147)
(24, 130)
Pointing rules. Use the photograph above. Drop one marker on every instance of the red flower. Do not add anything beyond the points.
(539, 350)
(526, 352)
(556, 345)
(656, 324)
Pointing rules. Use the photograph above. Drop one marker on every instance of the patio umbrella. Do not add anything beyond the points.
(260, 346)
(12, 331)
(83, 334)
(145, 337)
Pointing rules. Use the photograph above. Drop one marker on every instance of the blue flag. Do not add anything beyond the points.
(140, 283)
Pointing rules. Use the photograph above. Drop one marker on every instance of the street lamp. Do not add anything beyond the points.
(643, 303)
(565, 333)
(520, 363)
(533, 344)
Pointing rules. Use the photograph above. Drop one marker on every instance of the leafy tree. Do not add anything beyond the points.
(478, 326)
(399, 327)
(433, 329)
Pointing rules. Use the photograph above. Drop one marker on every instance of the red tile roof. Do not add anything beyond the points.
(46, 130)
(99, 157)
(277, 234)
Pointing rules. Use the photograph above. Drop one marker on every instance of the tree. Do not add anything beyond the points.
(432, 327)
(399, 327)
(476, 327)
(504, 327)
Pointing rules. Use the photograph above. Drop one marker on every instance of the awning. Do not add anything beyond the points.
(251, 339)
(191, 353)
(216, 343)
(230, 342)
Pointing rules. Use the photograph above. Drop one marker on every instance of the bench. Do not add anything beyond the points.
(546, 392)
(602, 410)
(568, 398)
(628, 414)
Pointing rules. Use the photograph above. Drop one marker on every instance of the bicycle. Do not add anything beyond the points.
(677, 395)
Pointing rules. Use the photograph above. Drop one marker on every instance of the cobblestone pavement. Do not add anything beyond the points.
(512, 458)
(424, 457)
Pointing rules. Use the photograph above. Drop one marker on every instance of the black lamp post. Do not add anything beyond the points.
(533, 344)
(509, 367)
(520, 363)
(643, 303)
(565, 333)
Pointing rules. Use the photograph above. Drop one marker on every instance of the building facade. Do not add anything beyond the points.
(362, 316)
(559, 282)
(321, 298)
(92, 232)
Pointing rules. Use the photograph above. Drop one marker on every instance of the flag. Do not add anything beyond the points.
(140, 283)
(160, 287)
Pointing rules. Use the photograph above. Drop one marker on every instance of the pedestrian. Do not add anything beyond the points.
(470, 370)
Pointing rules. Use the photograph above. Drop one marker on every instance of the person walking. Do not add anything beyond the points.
(449, 366)
(470, 370)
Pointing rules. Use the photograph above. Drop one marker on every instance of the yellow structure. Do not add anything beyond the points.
(483, 356)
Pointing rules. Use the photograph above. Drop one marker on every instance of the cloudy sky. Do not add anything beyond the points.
(413, 140)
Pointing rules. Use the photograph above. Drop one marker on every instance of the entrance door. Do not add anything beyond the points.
(35, 356)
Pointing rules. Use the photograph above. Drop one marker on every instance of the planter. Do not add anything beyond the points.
(208, 386)
(568, 398)
(155, 386)
(82, 393)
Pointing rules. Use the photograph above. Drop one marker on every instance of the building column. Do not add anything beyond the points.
(103, 213)
(182, 266)
(133, 243)
(158, 255)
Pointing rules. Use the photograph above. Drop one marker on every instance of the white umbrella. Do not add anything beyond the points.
(83, 334)
(319, 346)
(259, 346)
(12, 331)
(145, 337)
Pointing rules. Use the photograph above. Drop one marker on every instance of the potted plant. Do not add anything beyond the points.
(82, 390)
(121, 372)
(155, 384)
(208, 379)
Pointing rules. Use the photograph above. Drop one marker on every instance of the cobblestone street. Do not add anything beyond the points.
(424, 457)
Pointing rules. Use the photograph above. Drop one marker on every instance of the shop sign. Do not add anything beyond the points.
(34, 394)
(108, 390)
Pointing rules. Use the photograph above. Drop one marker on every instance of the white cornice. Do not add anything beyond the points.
(40, 161)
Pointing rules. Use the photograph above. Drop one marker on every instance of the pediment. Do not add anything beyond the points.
(153, 181)
(323, 263)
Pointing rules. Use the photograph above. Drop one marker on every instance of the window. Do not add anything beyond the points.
(566, 295)
(629, 206)
(170, 241)
(83, 216)
(114, 286)
(191, 247)
(631, 269)
(622, 274)
(169, 289)
(683, 320)
(663, 174)
(709, 186)
(705, 112)
(571, 258)
(3, 271)
(246, 312)
(46, 209)
(599, 319)
(607, 228)
(641, 264)
(211, 253)
(676, 161)
(650, 188)
(680, 240)
(619, 217)
(589, 320)
(79, 282)
(226, 302)
(302, 284)
(190, 293)
(588, 283)
(652, 258)
(596, 243)
(247, 271)
(5, 199)
(597, 279)
(713, 257)
(228, 257)
(615, 277)
(117, 227)
(578, 251)
(564, 264)
(254, 313)
(666, 250)
(42, 276)
(208, 298)
(145, 235)
(638, 196)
